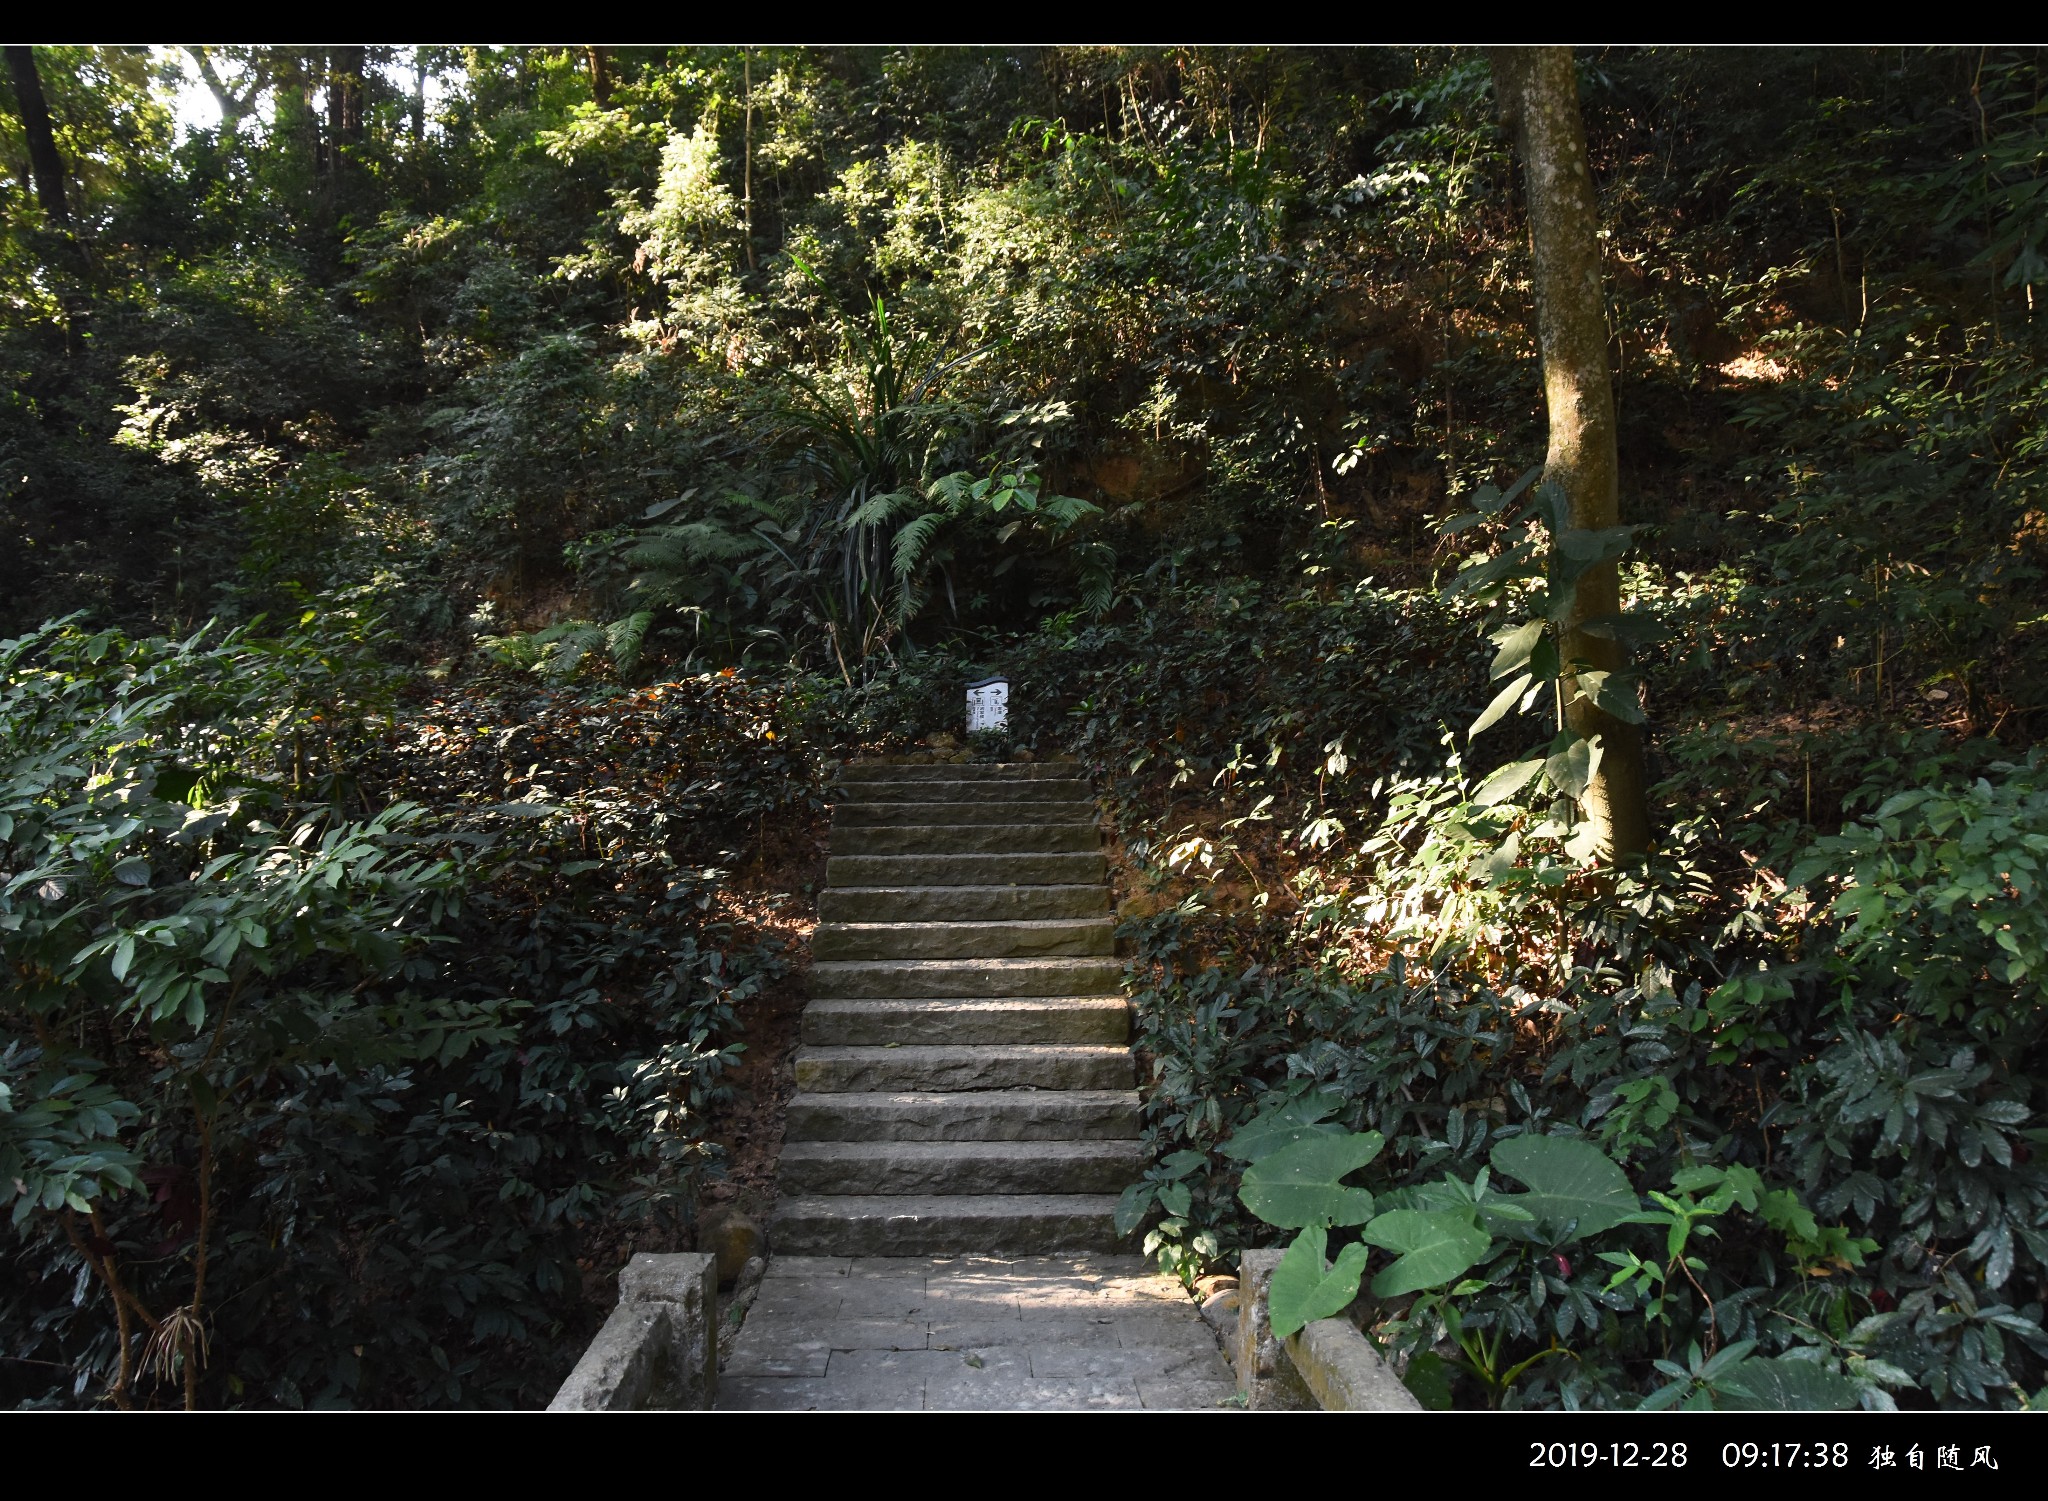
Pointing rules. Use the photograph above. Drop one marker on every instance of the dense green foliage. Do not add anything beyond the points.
(1170, 383)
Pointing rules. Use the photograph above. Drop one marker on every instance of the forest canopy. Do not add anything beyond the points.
(457, 504)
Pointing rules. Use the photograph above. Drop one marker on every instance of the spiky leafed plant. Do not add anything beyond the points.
(847, 551)
(875, 436)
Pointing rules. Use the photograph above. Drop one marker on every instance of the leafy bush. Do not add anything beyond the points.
(345, 1048)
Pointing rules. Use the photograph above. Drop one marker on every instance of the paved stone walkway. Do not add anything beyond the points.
(1044, 1333)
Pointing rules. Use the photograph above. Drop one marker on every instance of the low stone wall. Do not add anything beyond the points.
(659, 1348)
(1327, 1365)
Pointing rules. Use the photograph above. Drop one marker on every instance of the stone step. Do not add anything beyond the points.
(972, 771)
(965, 870)
(979, 1115)
(1070, 936)
(1052, 1066)
(849, 815)
(963, 904)
(959, 1167)
(931, 979)
(1099, 1020)
(945, 1225)
(968, 839)
(1042, 790)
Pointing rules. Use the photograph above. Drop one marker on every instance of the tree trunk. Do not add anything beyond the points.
(345, 97)
(44, 164)
(747, 155)
(73, 270)
(1539, 98)
(600, 62)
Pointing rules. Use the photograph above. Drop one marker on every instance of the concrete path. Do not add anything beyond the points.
(1047, 1333)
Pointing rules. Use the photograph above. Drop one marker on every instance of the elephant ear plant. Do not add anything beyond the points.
(1449, 1241)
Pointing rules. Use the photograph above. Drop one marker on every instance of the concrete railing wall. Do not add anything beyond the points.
(1328, 1364)
(659, 1348)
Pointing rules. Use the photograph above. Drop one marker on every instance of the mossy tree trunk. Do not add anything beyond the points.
(1539, 99)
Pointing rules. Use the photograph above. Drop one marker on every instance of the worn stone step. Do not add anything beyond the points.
(977, 1115)
(965, 870)
(962, 904)
(865, 1070)
(972, 771)
(1100, 1020)
(920, 979)
(968, 839)
(959, 1167)
(945, 1224)
(848, 815)
(1040, 790)
(1072, 937)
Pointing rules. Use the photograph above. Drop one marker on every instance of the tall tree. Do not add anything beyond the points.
(44, 163)
(1539, 99)
(47, 167)
(235, 104)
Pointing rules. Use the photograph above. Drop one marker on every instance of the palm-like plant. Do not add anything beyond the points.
(850, 549)
(877, 436)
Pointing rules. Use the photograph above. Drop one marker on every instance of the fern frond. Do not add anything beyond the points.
(911, 541)
(625, 638)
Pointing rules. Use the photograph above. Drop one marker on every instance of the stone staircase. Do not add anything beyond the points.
(965, 1083)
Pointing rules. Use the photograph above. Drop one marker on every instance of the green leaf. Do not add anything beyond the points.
(1302, 1291)
(1784, 1385)
(1132, 1207)
(1499, 707)
(1434, 1247)
(1298, 1185)
(1504, 782)
(1516, 643)
(1614, 692)
(1568, 1180)
(1590, 547)
(1428, 1380)
(133, 871)
(1630, 627)
(1572, 770)
(1294, 1121)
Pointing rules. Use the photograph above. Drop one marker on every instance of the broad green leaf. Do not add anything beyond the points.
(133, 871)
(1132, 1207)
(1433, 1248)
(1572, 770)
(1567, 1180)
(1628, 626)
(1499, 707)
(1516, 642)
(1551, 504)
(1590, 547)
(1292, 1122)
(1614, 692)
(1527, 478)
(1504, 782)
(1298, 1185)
(1302, 1290)
(1784, 1385)
(1428, 1379)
